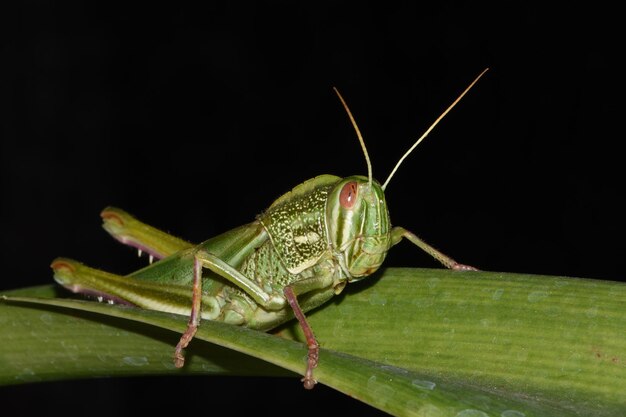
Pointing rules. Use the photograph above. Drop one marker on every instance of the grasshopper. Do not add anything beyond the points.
(299, 253)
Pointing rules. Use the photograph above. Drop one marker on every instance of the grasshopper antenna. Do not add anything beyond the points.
(430, 128)
(358, 133)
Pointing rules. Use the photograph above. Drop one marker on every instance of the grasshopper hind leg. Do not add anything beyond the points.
(116, 289)
(145, 238)
(81, 279)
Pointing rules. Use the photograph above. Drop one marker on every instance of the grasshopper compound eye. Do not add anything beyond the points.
(347, 197)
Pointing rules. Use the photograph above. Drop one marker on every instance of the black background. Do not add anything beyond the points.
(195, 119)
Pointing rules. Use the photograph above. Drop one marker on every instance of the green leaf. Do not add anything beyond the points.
(411, 342)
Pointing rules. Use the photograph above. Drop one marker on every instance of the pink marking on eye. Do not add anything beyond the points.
(347, 197)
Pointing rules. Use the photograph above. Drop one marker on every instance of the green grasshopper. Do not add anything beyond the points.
(305, 248)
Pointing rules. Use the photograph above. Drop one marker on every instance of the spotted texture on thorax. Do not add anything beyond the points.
(297, 230)
(265, 267)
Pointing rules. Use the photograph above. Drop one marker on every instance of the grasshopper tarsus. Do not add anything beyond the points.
(308, 383)
(179, 356)
(314, 353)
(179, 359)
(462, 267)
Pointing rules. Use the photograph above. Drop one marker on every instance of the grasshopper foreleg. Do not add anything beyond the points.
(314, 347)
(291, 293)
(397, 233)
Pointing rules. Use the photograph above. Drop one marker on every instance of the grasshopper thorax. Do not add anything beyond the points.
(358, 226)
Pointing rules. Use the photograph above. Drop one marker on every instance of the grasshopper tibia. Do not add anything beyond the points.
(194, 318)
(314, 347)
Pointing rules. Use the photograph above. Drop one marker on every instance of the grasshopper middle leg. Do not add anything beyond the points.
(194, 318)
(269, 301)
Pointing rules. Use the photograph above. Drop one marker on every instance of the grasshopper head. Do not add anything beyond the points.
(358, 225)
(356, 212)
